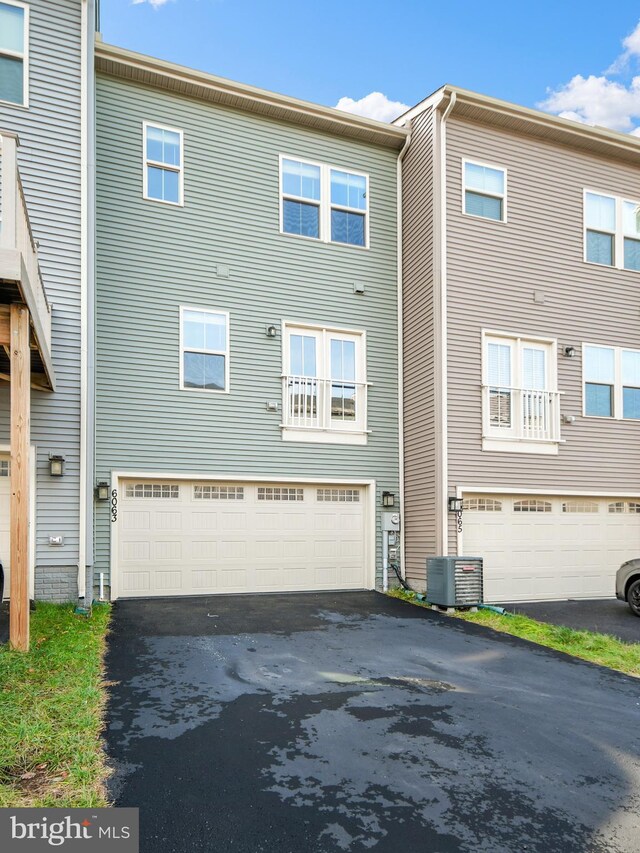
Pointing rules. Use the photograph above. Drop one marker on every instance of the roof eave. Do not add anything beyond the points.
(117, 61)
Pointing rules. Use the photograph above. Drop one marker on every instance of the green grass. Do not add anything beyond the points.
(51, 712)
(588, 645)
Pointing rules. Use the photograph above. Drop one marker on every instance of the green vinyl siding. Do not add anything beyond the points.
(223, 251)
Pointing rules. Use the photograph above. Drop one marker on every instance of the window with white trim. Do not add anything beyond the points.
(163, 164)
(611, 382)
(580, 506)
(532, 505)
(481, 505)
(324, 381)
(520, 396)
(612, 231)
(218, 493)
(485, 191)
(14, 53)
(152, 490)
(338, 495)
(280, 493)
(624, 506)
(204, 350)
(323, 202)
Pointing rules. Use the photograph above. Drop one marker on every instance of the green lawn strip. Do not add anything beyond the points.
(51, 711)
(597, 648)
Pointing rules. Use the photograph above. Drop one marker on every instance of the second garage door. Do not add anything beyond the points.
(194, 538)
(541, 547)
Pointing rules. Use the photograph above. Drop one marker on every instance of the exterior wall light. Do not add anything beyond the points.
(569, 352)
(455, 504)
(271, 331)
(388, 499)
(56, 465)
(102, 491)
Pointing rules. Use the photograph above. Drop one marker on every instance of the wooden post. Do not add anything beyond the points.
(19, 515)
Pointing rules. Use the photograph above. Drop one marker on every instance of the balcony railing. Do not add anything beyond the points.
(324, 404)
(19, 250)
(522, 414)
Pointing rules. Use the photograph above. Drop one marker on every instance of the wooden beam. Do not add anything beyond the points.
(4, 325)
(19, 510)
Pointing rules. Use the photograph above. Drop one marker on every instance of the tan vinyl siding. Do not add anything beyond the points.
(49, 160)
(494, 270)
(152, 258)
(419, 188)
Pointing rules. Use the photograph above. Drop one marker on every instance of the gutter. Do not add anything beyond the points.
(400, 261)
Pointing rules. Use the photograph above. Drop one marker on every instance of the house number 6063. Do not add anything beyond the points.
(114, 505)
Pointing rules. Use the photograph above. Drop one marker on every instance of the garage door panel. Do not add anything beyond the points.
(196, 538)
(571, 551)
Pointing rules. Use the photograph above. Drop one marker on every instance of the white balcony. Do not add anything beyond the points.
(20, 278)
(521, 415)
(335, 407)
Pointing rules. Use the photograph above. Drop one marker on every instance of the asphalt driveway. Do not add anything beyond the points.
(606, 615)
(350, 721)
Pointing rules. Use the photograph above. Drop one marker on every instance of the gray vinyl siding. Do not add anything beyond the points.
(419, 187)
(49, 159)
(494, 270)
(152, 258)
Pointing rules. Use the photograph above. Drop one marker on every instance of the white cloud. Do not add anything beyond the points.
(631, 45)
(374, 105)
(155, 3)
(597, 99)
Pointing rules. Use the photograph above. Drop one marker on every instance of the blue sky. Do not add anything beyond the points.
(559, 54)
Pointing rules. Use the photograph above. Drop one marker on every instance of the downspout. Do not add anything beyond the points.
(399, 262)
(442, 472)
(85, 519)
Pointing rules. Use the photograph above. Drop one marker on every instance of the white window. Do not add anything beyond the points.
(204, 350)
(324, 385)
(14, 53)
(323, 202)
(152, 490)
(338, 495)
(520, 397)
(280, 493)
(485, 191)
(612, 231)
(611, 377)
(531, 506)
(482, 505)
(218, 493)
(163, 164)
(580, 506)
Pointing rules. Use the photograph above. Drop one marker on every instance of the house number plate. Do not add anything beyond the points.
(114, 505)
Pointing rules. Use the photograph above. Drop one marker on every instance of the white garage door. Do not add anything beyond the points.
(4, 521)
(537, 548)
(194, 538)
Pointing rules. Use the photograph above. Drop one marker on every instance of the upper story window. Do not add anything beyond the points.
(324, 385)
(485, 191)
(612, 231)
(163, 166)
(520, 397)
(204, 349)
(323, 203)
(14, 53)
(611, 382)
